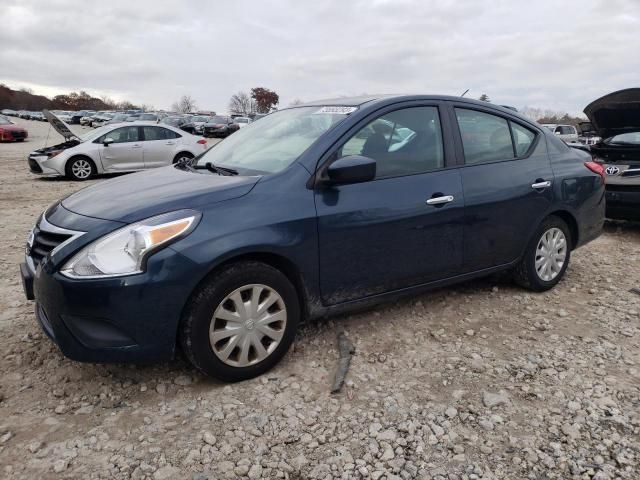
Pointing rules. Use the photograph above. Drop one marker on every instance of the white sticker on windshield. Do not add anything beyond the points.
(337, 110)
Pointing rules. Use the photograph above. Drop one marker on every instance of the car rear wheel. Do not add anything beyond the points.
(241, 322)
(80, 168)
(547, 256)
(182, 157)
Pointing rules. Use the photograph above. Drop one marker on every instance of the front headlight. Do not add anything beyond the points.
(125, 251)
(54, 153)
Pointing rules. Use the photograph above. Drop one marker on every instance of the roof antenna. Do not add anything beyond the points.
(465, 92)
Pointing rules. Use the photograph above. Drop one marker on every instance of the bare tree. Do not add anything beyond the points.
(186, 104)
(242, 104)
(296, 101)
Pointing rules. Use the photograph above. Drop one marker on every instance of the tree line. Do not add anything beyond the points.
(25, 99)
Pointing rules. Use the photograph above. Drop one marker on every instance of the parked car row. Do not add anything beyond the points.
(24, 114)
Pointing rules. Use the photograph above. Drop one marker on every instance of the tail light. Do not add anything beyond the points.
(202, 141)
(596, 168)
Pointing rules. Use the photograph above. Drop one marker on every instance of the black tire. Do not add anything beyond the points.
(73, 173)
(182, 156)
(525, 273)
(196, 320)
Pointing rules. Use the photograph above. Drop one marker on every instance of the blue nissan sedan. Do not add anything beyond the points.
(313, 210)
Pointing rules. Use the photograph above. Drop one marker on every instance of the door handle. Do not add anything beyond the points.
(137, 145)
(171, 143)
(440, 200)
(540, 185)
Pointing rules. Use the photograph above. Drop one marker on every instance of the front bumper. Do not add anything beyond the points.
(623, 202)
(122, 319)
(37, 165)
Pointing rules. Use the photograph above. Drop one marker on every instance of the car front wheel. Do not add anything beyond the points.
(241, 322)
(182, 157)
(80, 168)
(547, 256)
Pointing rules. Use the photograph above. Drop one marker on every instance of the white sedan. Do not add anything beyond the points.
(114, 148)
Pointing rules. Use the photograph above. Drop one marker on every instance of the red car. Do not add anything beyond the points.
(10, 132)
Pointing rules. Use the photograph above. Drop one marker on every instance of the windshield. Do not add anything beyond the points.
(172, 120)
(218, 119)
(241, 120)
(4, 121)
(273, 143)
(148, 116)
(200, 118)
(93, 134)
(631, 138)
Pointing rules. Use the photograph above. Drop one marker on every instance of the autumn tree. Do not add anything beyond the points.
(266, 100)
(186, 104)
(242, 104)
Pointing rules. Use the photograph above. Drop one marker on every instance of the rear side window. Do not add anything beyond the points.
(159, 133)
(523, 138)
(403, 142)
(485, 137)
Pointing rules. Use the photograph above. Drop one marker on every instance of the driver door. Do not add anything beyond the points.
(405, 227)
(125, 152)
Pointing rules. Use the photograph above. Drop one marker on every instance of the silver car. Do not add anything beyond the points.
(114, 148)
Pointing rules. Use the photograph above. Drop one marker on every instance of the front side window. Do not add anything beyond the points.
(404, 142)
(123, 135)
(485, 137)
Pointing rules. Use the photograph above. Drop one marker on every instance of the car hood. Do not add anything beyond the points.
(137, 196)
(60, 127)
(615, 113)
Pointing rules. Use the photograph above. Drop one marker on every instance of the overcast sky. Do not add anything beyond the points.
(541, 53)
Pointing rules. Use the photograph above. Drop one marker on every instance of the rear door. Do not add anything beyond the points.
(159, 146)
(403, 228)
(125, 153)
(507, 182)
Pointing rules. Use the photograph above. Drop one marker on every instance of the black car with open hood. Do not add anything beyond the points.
(616, 119)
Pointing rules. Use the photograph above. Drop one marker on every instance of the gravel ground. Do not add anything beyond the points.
(483, 380)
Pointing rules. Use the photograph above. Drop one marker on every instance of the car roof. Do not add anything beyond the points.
(387, 99)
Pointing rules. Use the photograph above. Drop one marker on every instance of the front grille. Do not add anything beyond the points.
(34, 167)
(44, 242)
(19, 135)
(622, 188)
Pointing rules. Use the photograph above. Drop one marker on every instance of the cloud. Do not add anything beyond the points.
(544, 53)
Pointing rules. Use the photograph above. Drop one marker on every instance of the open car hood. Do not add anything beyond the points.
(615, 113)
(61, 127)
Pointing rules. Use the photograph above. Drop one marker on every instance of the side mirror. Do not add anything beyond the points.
(108, 141)
(558, 132)
(351, 169)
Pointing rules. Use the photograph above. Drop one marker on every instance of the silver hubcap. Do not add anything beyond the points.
(551, 254)
(81, 168)
(248, 325)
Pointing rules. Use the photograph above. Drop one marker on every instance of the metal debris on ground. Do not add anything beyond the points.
(345, 349)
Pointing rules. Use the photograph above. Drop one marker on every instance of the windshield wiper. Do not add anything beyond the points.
(216, 169)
